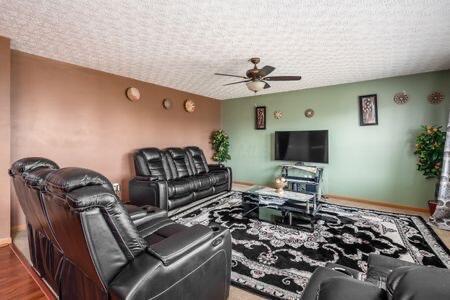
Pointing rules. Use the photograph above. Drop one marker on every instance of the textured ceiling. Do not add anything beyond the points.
(180, 44)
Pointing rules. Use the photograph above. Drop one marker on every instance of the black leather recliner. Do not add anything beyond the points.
(174, 178)
(28, 176)
(386, 279)
(106, 253)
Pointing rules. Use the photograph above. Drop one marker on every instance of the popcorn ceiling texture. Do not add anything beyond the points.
(180, 44)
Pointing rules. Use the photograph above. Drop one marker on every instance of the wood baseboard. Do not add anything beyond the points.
(243, 182)
(42, 285)
(5, 241)
(379, 203)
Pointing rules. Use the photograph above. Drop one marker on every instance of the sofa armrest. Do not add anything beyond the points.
(129, 281)
(419, 282)
(144, 191)
(177, 245)
(380, 266)
(135, 212)
(217, 167)
(319, 275)
(344, 288)
(146, 277)
(377, 260)
(346, 270)
(146, 178)
(142, 214)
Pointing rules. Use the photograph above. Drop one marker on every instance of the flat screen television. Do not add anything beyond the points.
(302, 146)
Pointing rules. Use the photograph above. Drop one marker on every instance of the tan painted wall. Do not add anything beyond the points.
(5, 126)
(81, 117)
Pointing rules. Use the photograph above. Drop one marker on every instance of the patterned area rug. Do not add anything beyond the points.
(277, 261)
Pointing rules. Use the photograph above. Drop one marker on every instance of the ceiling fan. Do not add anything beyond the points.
(256, 79)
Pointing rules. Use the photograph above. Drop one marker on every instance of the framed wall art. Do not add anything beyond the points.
(368, 110)
(260, 117)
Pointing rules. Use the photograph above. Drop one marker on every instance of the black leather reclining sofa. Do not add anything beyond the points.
(387, 278)
(87, 245)
(174, 178)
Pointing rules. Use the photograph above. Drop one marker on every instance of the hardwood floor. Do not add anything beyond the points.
(15, 281)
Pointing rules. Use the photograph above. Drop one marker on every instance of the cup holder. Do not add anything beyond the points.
(215, 227)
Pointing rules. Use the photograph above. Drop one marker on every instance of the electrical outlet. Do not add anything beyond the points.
(116, 187)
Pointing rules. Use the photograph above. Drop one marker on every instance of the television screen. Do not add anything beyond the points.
(302, 146)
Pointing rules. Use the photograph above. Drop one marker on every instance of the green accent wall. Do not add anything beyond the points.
(371, 162)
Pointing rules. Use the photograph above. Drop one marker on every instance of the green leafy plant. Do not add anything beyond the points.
(430, 150)
(221, 146)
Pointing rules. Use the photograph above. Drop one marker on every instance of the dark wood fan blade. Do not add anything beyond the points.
(282, 78)
(267, 85)
(266, 70)
(237, 82)
(229, 75)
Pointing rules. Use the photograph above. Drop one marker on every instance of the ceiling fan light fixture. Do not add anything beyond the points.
(256, 85)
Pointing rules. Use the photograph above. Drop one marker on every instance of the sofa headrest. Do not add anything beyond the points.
(29, 164)
(194, 150)
(176, 153)
(198, 159)
(36, 178)
(66, 180)
(149, 153)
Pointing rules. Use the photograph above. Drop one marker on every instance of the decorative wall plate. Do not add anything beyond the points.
(189, 105)
(133, 94)
(309, 113)
(167, 103)
(277, 114)
(435, 97)
(401, 98)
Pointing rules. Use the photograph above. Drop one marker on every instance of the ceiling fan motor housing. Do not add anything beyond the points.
(253, 74)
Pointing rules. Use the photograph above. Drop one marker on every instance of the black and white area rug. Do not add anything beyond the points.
(277, 261)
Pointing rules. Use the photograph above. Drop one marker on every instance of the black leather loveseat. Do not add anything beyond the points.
(174, 178)
(386, 279)
(87, 245)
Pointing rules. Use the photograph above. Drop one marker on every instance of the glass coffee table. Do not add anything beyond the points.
(293, 209)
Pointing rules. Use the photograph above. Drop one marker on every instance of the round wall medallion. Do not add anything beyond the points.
(309, 113)
(401, 98)
(189, 105)
(435, 98)
(167, 103)
(133, 94)
(278, 114)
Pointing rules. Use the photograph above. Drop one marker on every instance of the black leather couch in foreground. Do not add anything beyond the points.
(175, 178)
(87, 245)
(386, 279)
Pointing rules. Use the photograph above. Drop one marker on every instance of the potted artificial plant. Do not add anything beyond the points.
(430, 151)
(221, 146)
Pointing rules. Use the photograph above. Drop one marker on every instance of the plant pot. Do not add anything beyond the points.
(432, 206)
